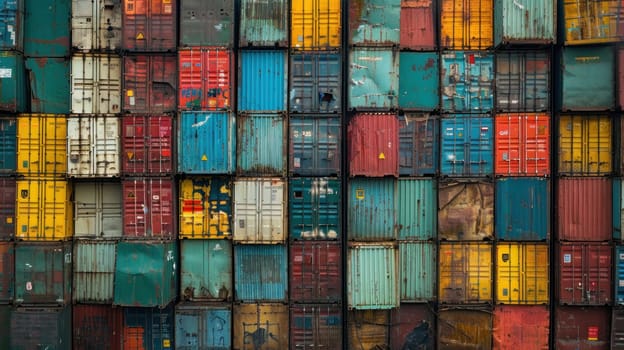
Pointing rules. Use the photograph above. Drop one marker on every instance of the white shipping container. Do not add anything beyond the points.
(93, 146)
(95, 84)
(96, 25)
(259, 210)
(97, 209)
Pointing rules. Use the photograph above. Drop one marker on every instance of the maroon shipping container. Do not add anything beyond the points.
(97, 327)
(315, 271)
(521, 327)
(146, 146)
(413, 327)
(417, 25)
(7, 271)
(205, 78)
(316, 326)
(149, 83)
(581, 328)
(7, 208)
(149, 25)
(584, 209)
(584, 273)
(148, 208)
(373, 144)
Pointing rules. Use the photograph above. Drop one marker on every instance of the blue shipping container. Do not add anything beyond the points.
(11, 21)
(617, 208)
(261, 145)
(12, 82)
(467, 146)
(619, 275)
(522, 209)
(148, 328)
(262, 81)
(418, 144)
(419, 80)
(315, 83)
(8, 144)
(314, 148)
(373, 78)
(314, 208)
(47, 28)
(49, 85)
(467, 81)
(203, 326)
(416, 209)
(261, 273)
(371, 209)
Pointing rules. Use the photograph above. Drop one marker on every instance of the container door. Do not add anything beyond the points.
(159, 145)
(418, 144)
(315, 24)
(536, 274)
(80, 137)
(571, 267)
(84, 84)
(597, 275)
(106, 146)
(619, 275)
(8, 145)
(108, 96)
(479, 154)
(271, 212)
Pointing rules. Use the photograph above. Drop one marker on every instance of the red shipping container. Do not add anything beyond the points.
(522, 144)
(204, 78)
(315, 271)
(149, 25)
(521, 327)
(417, 25)
(373, 145)
(584, 273)
(584, 209)
(413, 327)
(148, 208)
(149, 83)
(581, 328)
(97, 327)
(7, 271)
(316, 326)
(7, 208)
(146, 145)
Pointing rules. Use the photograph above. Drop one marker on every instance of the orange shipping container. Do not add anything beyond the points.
(522, 144)
(466, 24)
(521, 327)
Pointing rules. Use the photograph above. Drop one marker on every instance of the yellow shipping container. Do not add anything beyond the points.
(585, 145)
(592, 21)
(42, 144)
(315, 24)
(44, 210)
(264, 324)
(205, 208)
(465, 273)
(522, 273)
(369, 329)
(467, 24)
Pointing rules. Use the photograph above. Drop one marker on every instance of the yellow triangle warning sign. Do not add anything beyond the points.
(382, 156)
(204, 157)
(140, 36)
(130, 155)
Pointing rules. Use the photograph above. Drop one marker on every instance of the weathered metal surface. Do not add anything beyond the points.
(150, 25)
(260, 326)
(374, 22)
(460, 329)
(48, 84)
(523, 81)
(372, 209)
(13, 88)
(203, 326)
(584, 328)
(373, 78)
(97, 327)
(585, 146)
(95, 83)
(205, 207)
(413, 327)
(465, 273)
(522, 273)
(94, 271)
(466, 24)
(315, 25)
(206, 270)
(41, 144)
(148, 208)
(587, 78)
(522, 209)
(522, 144)
(617, 328)
(368, 329)
(315, 145)
(209, 23)
(205, 78)
(264, 23)
(97, 210)
(5, 318)
(146, 145)
(260, 210)
(93, 146)
(591, 21)
(465, 210)
(12, 28)
(149, 83)
(315, 272)
(584, 273)
(315, 82)
(584, 209)
(618, 273)
(620, 83)
(261, 273)
(262, 80)
(7, 271)
(42, 327)
(372, 276)
(419, 85)
(8, 145)
(44, 211)
(530, 22)
(418, 25)
(416, 209)
(467, 81)
(466, 144)
(47, 28)
(418, 144)
(373, 144)
(148, 328)
(521, 327)
(316, 326)
(96, 25)
(261, 145)
(8, 203)
(417, 272)
(314, 208)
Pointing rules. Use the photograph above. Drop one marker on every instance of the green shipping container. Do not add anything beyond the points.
(206, 269)
(12, 82)
(94, 271)
(46, 28)
(39, 328)
(48, 79)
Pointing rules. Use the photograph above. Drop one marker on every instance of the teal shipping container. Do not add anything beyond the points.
(206, 143)
(529, 22)
(203, 326)
(47, 28)
(148, 328)
(264, 23)
(417, 274)
(374, 22)
(261, 144)
(206, 269)
(315, 82)
(262, 80)
(8, 145)
(146, 274)
(417, 213)
(619, 274)
(522, 209)
(467, 81)
(373, 78)
(261, 273)
(372, 276)
(94, 271)
(314, 145)
(41, 327)
(13, 90)
(419, 80)
(617, 208)
(467, 145)
(205, 23)
(418, 144)
(48, 79)
(11, 25)
(372, 209)
(314, 208)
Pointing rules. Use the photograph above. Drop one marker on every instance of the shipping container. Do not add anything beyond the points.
(41, 327)
(149, 83)
(587, 78)
(205, 206)
(263, 23)
(97, 327)
(374, 22)
(584, 273)
(315, 272)
(150, 25)
(261, 144)
(581, 328)
(372, 276)
(11, 30)
(532, 22)
(209, 23)
(203, 326)
(315, 145)
(419, 85)
(523, 80)
(146, 274)
(585, 145)
(96, 25)
(467, 144)
(261, 273)
(314, 326)
(591, 21)
(46, 28)
(48, 82)
(417, 273)
(260, 206)
(617, 328)
(522, 144)
(373, 78)
(618, 207)
(44, 211)
(372, 209)
(13, 87)
(148, 328)
(521, 327)
(43, 273)
(467, 80)
(206, 270)
(368, 329)
(462, 328)
(315, 24)
(148, 208)
(7, 207)
(413, 327)
(373, 144)
(466, 24)
(93, 146)
(8, 144)
(260, 326)
(315, 82)
(41, 145)
(95, 83)
(465, 273)
(418, 144)
(522, 209)
(5, 318)
(584, 209)
(620, 82)
(7, 272)
(94, 271)
(522, 273)
(97, 210)
(314, 208)
(204, 78)
(147, 146)
(618, 272)
(416, 209)
(262, 80)
(465, 210)
(418, 25)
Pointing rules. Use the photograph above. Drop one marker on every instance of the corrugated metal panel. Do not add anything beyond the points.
(467, 81)
(419, 86)
(587, 78)
(465, 210)
(585, 146)
(466, 24)
(204, 78)
(203, 326)
(416, 209)
(373, 78)
(316, 326)
(41, 144)
(465, 273)
(260, 210)
(464, 328)
(584, 273)
(418, 144)
(584, 209)
(96, 25)
(146, 145)
(372, 209)
(97, 209)
(617, 328)
(145, 274)
(13, 89)
(521, 327)
(48, 83)
(7, 208)
(11, 30)
(261, 273)
(418, 25)
(261, 145)
(315, 25)
(467, 144)
(260, 326)
(262, 80)
(7, 271)
(148, 328)
(522, 209)
(522, 273)
(46, 28)
(372, 276)
(41, 327)
(94, 271)
(149, 25)
(619, 274)
(264, 23)
(373, 144)
(591, 21)
(97, 327)
(148, 208)
(8, 144)
(369, 329)
(374, 22)
(413, 326)
(206, 270)
(206, 22)
(417, 261)
(315, 272)
(523, 81)
(315, 82)
(522, 145)
(315, 145)
(530, 22)
(43, 273)
(44, 210)
(205, 207)
(314, 208)
(581, 328)
(95, 84)
(93, 146)
(149, 84)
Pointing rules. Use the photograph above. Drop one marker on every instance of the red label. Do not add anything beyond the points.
(592, 333)
(471, 59)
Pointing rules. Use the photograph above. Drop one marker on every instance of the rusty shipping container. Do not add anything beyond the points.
(7, 271)
(584, 273)
(372, 276)
(149, 83)
(315, 272)
(203, 326)
(585, 145)
(413, 327)
(40, 327)
(46, 28)
(584, 209)
(467, 81)
(617, 328)
(8, 188)
(592, 21)
(419, 85)
(264, 23)
(465, 210)
(521, 327)
(620, 82)
(149, 25)
(315, 82)
(206, 270)
(587, 78)
(95, 83)
(261, 326)
(417, 271)
(48, 81)
(523, 81)
(97, 327)
(13, 80)
(97, 210)
(461, 328)
(205, 78)
(522, 273)
(373, 78)
(368, 329)
(618, 273)
(12, 28)
(374, 22)
(416, 210)
(146, 145)
(316, 326)
(44, 211)
(8, 145)
(465, 273)
(262, 81)
(418, 25)
(205, 207)
(42, 145)
(148, 208)
(419, 141)
(466, 145)
(96, 25)
(466, 24)
(314, 208)
(522, 144)
(148, 328)
(93, 271)
(581, 328)
(261, 144)
(260, 206)
(523, 208)
(315, 146)
(373, 145)
(531, 22)
(371, 209)
(93, 146)
(206, 22)
(315, 24)
(261, 272)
